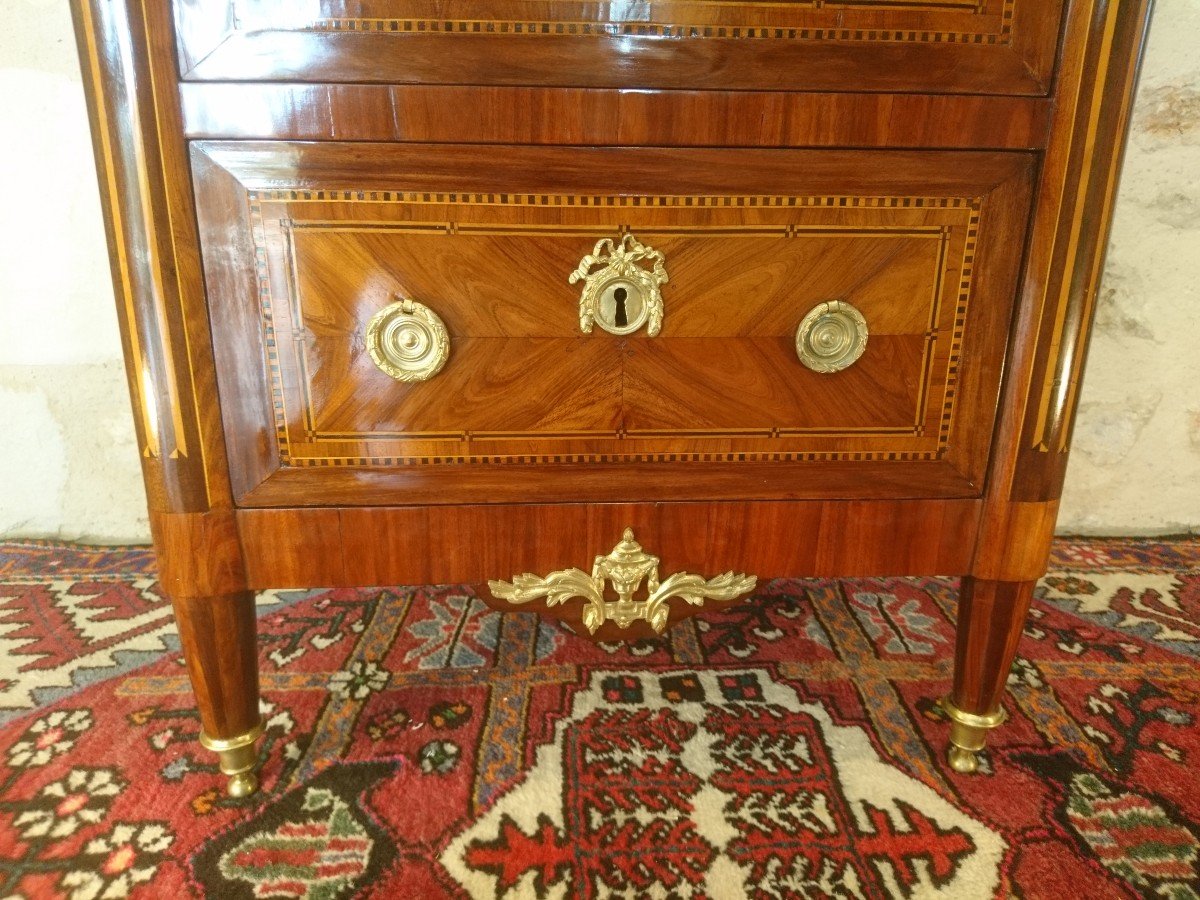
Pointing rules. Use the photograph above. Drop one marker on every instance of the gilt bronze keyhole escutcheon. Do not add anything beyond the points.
(622, 308)
(621, 287)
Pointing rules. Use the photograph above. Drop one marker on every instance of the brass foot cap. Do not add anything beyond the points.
(965, 762)
(968, 734)
(242, 784)
(238, 758)
(979, 722)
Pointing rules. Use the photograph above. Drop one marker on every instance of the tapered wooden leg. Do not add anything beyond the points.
(218, 637)
(991, 615)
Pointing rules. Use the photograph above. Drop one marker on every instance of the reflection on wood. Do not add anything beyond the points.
(947, 168)
(722, 382)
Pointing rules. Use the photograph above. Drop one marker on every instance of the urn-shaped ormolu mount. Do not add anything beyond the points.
(624, 569)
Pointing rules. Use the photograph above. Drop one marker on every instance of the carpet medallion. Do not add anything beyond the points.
(421, 745)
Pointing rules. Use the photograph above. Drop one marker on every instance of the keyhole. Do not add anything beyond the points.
(622, 318)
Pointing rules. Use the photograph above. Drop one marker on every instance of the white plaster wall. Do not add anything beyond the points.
(1135, 466)
(68, 463)
(69, 466)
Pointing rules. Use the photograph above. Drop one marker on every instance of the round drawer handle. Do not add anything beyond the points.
(831, 337)
(619, 293)
(408, 341)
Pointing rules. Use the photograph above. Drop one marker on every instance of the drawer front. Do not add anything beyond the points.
(919, 266)
(966, 46)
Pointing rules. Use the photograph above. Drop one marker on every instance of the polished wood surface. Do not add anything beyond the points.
(1070, 237)
(1018, 541)
(422, 545)
(598, 117)
(247, 131)
(146, 195)
(932, 271)
(590, 171)
(200, 553)
(991, 615)
(238, 343)
(217, 634)
(962, 46)
(538, 482)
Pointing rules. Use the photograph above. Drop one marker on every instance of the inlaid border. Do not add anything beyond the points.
(972, 206)
(560, 28)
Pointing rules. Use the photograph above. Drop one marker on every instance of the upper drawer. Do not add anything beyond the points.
(941, 46)
(712, 323)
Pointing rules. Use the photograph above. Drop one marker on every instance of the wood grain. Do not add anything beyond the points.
(991, 615)
(199, 553)
(1068, 234)
(720, 384)
(998, 124)
(217, 634)
(607, 482)
(240, 347)
(1084, 164)
(1018, 548)
(146, 197)
(994, 47)
(596, 117)
(450, 168)
(426, 545)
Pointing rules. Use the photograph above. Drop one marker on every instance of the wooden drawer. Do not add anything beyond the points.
(961, 46)
(305, 244)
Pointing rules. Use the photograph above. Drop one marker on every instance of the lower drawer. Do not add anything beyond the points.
(455, 324)
(770, 539)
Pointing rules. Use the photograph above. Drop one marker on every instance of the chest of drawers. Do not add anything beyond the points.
(419, 291)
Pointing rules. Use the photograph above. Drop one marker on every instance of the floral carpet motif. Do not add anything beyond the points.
(419, 745)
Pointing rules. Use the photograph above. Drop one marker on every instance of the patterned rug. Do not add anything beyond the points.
(419, 745)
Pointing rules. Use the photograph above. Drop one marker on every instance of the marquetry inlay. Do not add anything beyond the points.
(303, 441)
(821, 21)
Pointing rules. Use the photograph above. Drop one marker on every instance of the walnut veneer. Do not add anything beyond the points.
(274, 179)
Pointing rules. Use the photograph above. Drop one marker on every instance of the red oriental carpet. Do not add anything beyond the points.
(419, 745)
